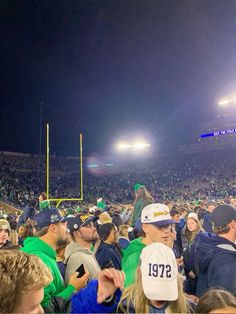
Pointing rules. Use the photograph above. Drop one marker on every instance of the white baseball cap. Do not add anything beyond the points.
(193, 215)
(156, 214)
(159, 273)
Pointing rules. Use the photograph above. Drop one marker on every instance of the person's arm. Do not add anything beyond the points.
(101, 295)
(56, 303)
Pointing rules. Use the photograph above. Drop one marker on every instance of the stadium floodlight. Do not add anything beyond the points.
(137, 145)
(123, 146)
(140, 145)
(226, 102)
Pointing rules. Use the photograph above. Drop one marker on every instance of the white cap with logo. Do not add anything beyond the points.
(159, 273)
(156, 214)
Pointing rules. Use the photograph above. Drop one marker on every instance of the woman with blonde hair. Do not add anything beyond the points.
(158, 287)
(193, 230)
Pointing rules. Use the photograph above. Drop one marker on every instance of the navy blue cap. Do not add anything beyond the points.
(223, 215)
(48, 217)
(81, 220)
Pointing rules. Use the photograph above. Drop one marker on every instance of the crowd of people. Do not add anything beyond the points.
(185, 179)
(169, 257)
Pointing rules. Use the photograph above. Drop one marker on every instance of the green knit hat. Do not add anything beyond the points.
(138, 186)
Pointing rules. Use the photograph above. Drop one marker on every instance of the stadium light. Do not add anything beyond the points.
(137, 145)
(225, 102)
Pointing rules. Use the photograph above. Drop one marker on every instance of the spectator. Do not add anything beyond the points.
(107, 250)
(13, 237)
(116, 218)
(183, 214)
(104, 218)
(43, 201)
(83, 234)
(101, 295)
(217, 301)
(217, 255)
(25, 231)
(142, 199)
(5, 231)
(51, 232)
(23, 292)
(23, 278)
(207, 217)
(123, 238)
(28, 212)
(155, 224)
(175, 215)
(157, 288)
(193, 230)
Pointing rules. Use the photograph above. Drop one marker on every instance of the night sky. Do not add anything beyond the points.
(112, 69)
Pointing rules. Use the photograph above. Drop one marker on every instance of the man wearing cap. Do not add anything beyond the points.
(142, 199)
(217, 254)
(83, 234)
(5, 230)
(155, 226)
(51, 232)
(206, 218)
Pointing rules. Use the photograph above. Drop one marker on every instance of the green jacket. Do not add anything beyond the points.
(138, 207)
(130, 260)
(47, 254)
(44, 204)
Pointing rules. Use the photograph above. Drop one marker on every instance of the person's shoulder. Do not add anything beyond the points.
(135, 245)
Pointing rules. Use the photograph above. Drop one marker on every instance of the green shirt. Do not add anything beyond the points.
(130, 260)
(44, 204)
(47, 254)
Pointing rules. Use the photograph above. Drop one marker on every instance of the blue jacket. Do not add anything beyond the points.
(216, 263)
(28, 212)
(85, 301)
(108, 252)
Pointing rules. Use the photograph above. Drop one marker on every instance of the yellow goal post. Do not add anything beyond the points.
(59, 200)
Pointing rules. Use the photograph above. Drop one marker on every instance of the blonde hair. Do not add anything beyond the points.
(146, 196)
(189, 234)
(105, 217)
(123, 230)
(13, 237)
(20, 273)
(134, 295)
